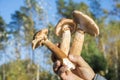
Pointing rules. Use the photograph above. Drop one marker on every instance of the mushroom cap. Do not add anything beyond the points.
(40, 34)
(39, 37)
(59, 29)
(85, 23)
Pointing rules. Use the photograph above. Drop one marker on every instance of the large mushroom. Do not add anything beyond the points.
(40, 38)
(85, 25)
(64, 28)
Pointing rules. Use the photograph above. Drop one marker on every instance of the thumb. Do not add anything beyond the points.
(78, 60)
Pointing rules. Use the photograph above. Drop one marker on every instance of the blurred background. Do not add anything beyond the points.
(20, 19)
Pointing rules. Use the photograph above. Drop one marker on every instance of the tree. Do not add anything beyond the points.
(20, 70)
(22, 27)
(3, 40)
(65, 8)
(113, 39)
(3, 36)
(115, 9)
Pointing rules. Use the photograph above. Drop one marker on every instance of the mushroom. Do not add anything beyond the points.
(85, 25)
(40, 38)
(64, 28)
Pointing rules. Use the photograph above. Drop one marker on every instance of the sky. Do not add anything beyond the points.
(9, 7)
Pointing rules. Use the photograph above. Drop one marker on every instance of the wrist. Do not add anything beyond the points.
(98, 77)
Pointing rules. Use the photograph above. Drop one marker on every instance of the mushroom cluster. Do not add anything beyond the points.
(80, 24)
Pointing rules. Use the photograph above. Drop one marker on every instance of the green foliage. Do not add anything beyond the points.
(48, 76)
(93, 56)
(24, 70)
(65, 8)
(1, 22)
(25, 24)
(3, 33)
(111, 74)
(18, 70)
(52, 36)
(114, 29)
(33, 5)
(118, 5)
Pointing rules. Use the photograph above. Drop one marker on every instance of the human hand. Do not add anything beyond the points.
(82, 72)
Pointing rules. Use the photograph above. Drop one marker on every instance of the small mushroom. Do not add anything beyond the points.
(64, 28)
(40, 38)
(85, 25)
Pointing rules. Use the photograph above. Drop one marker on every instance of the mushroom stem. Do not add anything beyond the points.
(58, 52)
(66, 37)
(64, 28)
(77, 44)
(40, 38)
(85, 25)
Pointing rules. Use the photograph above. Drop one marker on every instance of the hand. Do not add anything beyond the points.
(82, 72)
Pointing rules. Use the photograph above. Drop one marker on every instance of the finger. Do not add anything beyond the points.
(63, 69)
(63, 76)
(78, 60)
(63, 72)
(56, 66)
(53, 57)
(66, 74)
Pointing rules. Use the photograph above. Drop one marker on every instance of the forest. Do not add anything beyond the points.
(19, 62)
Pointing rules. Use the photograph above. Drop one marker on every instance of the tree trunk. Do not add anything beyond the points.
(116, 63)
(37, 76)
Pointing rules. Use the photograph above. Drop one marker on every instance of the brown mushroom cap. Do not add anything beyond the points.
(39, 36)
(86, 23)
(59, 27)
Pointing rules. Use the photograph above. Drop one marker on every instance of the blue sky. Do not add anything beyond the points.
(8, 7)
